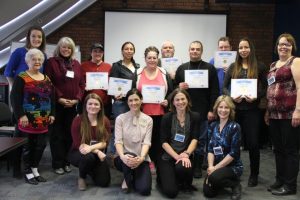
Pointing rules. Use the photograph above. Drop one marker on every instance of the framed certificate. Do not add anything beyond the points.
(224, 58)
(170, 64)
(153, 93)
(119, 86)
(196, 78)
(96, 80)
(244, 87)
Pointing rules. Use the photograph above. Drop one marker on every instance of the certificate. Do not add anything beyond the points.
(196, 78)
(224, 58)
(119, 86)
(170, 64)
(96, 80)
(244, 87)
(153, 93)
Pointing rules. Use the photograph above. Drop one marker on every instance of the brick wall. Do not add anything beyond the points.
(252, 20)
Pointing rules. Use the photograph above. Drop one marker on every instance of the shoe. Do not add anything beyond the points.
(236, 192)
(32, 181)
(188, 188)
(275, 186)
(59, 171)
(283, 191)
(152, 168)
(81, 184)
(40, 179)
(67, 169)
(252, 181)
(125, 188)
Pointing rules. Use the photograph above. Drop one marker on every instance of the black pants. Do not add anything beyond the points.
(249, 122)
(60, 137)
(155, 149)
(33, 150)
(285, 139)
(221, 178)
(139, 178)
(171, 175)
(90, 164)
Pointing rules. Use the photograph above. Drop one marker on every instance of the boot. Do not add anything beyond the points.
(236, 192)
(198, 160)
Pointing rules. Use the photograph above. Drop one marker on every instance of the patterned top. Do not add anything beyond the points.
(229, 140)
(33, 98)
(281, 94)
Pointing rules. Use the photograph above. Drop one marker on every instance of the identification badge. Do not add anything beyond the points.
(70, 74)
(179, 137)
(92, 142)
(218, 150)
(271, 80)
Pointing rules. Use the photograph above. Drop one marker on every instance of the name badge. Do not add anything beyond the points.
(70, 74)
(218, 150)
(179, 137)
(271, 80)
(92, 142)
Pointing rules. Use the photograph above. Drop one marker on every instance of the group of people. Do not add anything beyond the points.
(190, 126)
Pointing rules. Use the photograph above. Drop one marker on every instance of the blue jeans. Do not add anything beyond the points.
(118, 108)
(202, 143)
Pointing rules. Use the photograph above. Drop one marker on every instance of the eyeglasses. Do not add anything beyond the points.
(284, 44)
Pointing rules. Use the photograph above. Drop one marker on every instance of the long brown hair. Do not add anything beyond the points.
(86, 128)
(252, 71)
(172, 97)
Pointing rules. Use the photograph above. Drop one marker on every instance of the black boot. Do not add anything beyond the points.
(198, 160)
(236, 192)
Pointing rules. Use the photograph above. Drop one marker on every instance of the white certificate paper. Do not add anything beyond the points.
(119, 86)
(96, 80)
(153, 93)
(224, 58)
(170, 64)
(244, 87)
(196, 78)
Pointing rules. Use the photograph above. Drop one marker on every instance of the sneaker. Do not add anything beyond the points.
(59, 171)
(67, 169)
(152, 168)
(81, 184)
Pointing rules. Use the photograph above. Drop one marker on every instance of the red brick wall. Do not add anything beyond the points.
(252, 20)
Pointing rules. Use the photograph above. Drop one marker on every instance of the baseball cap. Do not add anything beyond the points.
(97, 46)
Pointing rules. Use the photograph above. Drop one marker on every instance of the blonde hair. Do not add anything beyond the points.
(65, 41)
(230, 104)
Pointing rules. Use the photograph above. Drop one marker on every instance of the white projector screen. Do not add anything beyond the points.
(146, 28)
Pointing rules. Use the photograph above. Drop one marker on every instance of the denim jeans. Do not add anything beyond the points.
(118, 108)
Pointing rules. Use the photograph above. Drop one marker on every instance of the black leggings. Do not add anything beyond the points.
(139, 178)
(170, 175)
(90, 164)
(223, 177)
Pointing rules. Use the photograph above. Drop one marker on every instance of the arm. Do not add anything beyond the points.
(214, 89)
(296, 75)
(179, 78)
(227, 80)
(16, 96)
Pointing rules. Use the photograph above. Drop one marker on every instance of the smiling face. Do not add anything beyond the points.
(93, 106)
(223, 111)
(284, 48)
(36, 38)
(180, 102)
(128, 51)
(97, 55)
(167, 50)
(151, 59)
(35, 62)
(134, 103)
(195, 51)
(65, 50)
(244, 49)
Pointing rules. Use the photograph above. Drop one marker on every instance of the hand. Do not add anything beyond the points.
(183, 85)
(120, 96)
(249, 99)
(101, 155)
(185, 162)
(85, 149)
(138, 161)
(164, 103)
(225, 68)
(238, 99)
(210, 116)
(51, 119)
(23, 121)
(210, 170)
(296, 118)
(128, 160)
(183, 155)
(266, 118)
